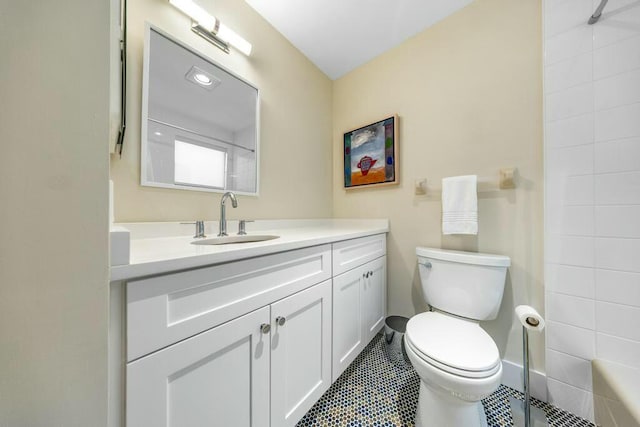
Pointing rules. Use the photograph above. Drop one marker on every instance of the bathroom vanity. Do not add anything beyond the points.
(244, 334)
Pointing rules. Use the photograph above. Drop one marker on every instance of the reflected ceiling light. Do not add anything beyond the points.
(210, 28)
(202, 78)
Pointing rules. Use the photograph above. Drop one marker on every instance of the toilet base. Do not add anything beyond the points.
(437, 408)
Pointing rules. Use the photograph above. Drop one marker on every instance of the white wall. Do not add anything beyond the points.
(592, 158)
(295, 122)
(54, 80)
(468, 93)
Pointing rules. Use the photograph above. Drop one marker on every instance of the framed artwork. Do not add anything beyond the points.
(371, 154)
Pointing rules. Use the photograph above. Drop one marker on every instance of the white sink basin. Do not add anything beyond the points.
(246, 238)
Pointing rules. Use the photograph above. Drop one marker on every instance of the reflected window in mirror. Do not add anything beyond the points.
(200, 165)
(200, 122)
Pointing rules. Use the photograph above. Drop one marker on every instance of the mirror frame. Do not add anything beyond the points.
(145, 113)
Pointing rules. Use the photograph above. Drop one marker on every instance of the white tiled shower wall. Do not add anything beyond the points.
(592, 199)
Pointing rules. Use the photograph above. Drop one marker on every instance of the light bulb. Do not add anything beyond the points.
(202, 79)
(227, 34)
(195, 12)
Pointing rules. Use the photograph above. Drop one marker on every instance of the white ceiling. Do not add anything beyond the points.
(172, 98)
(340, 35)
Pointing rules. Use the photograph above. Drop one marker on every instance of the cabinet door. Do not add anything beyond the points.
(374, 297)
(217, 378)
(348, 330)
(300, 353)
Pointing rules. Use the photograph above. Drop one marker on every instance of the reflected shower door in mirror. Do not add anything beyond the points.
(200, 122)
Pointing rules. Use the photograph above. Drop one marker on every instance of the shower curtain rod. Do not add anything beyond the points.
(596, 15)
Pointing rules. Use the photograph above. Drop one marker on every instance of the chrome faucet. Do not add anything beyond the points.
(223, 213)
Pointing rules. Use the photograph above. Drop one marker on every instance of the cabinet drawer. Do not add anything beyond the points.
(166, 309)
(353, 253)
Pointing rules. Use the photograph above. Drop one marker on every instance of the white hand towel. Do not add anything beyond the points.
(460, 205)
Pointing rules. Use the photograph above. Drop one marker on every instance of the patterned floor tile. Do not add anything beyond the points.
(381, 389)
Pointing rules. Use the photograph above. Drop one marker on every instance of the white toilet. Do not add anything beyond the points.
(457, 361)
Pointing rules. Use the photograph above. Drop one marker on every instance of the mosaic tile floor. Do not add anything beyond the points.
(379, 390)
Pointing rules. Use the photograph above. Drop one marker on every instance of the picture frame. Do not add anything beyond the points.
(370, 154)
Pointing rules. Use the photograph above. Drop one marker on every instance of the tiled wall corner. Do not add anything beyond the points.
(592, 193)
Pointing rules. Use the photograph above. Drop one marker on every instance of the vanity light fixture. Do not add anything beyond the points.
(210, 28)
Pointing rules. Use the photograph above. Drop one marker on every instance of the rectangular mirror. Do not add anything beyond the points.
(200, 122)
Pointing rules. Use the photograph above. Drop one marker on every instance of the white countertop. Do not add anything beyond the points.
(157, 248)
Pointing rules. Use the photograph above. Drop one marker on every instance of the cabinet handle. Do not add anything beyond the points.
(265, 328)
(280, 320)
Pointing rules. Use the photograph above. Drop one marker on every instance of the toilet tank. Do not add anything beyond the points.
(466, 284)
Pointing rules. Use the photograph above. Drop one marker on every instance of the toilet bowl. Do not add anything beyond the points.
(457, 361)
(458, 364)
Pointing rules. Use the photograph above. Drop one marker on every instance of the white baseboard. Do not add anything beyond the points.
(512, 377)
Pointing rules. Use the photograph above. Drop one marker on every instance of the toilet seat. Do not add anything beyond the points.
(457, 346)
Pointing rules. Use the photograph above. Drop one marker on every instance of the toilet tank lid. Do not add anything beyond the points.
(464, 257)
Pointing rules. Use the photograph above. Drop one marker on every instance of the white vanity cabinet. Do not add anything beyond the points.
(252, 342)
(190, 365)
(224, 376)
(359, 297)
